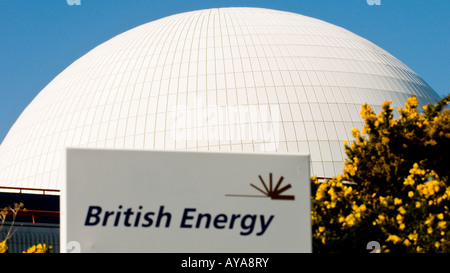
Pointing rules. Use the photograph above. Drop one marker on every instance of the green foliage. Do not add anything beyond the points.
(395, 185)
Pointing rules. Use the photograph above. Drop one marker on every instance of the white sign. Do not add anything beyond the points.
(185, 202)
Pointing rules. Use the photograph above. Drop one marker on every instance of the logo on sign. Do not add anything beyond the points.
(269, 190)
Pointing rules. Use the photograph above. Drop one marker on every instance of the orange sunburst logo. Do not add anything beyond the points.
(274, 193)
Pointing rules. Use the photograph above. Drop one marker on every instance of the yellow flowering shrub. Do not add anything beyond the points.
(395, 184)
(3, 247)
(9, 233)
(40, 248)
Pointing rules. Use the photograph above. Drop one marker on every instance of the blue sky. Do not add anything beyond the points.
(40, 38)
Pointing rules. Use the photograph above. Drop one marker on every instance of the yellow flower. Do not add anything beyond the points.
(348, 190)
(383, 201)
(413, 236)
(402, 210)
(31, 249)
(418, 204)
(410, 194)
(412, 102)
(437, 244)
(442, 224)
(429, 219)
(362, 208)
(394, 238)
(332, 194)
(320, 194)
(397, 201)
(440, 216)
(415, 170)
(385, 105)
(3, 247)
(435, 186)
(409, 181)
(40, 248)
(406, 242)
(350, 220)
(351, 169)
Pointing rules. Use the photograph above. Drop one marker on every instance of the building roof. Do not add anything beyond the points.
(228, 79)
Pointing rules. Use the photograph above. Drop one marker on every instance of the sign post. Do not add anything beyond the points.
(191, 202)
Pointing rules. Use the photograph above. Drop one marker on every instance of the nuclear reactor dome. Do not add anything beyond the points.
(228, 79)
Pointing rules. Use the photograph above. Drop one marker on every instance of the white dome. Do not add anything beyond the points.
(230, 79)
